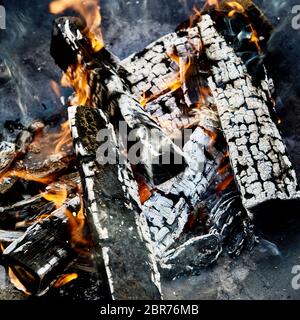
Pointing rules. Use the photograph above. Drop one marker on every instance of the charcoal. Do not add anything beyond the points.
(39, 256)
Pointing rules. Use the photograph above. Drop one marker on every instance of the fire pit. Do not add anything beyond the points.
(166, 163)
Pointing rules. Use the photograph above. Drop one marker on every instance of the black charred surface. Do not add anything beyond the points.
(38, 257)
(121, 253)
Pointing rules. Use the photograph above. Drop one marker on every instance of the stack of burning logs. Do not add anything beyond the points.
(198, 103)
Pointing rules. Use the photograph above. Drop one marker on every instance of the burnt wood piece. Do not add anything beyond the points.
(8, 237)
(119, 228)
(173, 204)
(110, 92)
(43, 252)
(259, 159)
(24, 213)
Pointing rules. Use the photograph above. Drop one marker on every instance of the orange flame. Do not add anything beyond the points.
(64, 279)
(64, 138)
(172, 85)
(16, 282)
(76, 228)
(90, 11)
(58, 197)
(236, 8)
(23, 174)
(77, 78)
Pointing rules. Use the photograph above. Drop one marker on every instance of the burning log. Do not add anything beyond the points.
(43, 252)
(119, 229)
(24, 213)
(110, 87)
(258, 155)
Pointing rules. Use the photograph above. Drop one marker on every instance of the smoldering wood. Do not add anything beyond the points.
(169, 209)
(111, 93)
(22, 214)
(258, 155)
(43, 252)
(119, 229)
(149, 73)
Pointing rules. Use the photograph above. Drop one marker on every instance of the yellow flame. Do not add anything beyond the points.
(90, 11)
(236, 8)
(77, 78)
(64, 279)
(16, 282)
(58, 197)
(23, 174)
(64, 138)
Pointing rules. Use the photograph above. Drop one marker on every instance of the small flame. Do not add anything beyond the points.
(174, 84)
(236, 8)
(90, 11)
(64, 138)
(76, 228)
(1, 248)
(77, 78)
(213, 3)
(58, 197)
(64, 279)
(254, 38)
(16, 282)
(23, 174)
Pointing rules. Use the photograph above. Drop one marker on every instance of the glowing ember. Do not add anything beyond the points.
(64, 279)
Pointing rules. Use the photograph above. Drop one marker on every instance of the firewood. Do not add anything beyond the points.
(258, 155)
(111, 93)
(43, 252)
(7, 237)
(119, 229)
(24, 213)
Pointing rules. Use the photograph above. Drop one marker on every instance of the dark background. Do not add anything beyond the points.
(128, 26)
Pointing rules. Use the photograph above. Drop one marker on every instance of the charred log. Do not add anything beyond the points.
(43, 252)
(119, 229)
(258, 155)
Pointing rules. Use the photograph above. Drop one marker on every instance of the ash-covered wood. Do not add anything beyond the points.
(43, 252)
(258, 155)
(7, 237)
(188, 79)
(119, 228)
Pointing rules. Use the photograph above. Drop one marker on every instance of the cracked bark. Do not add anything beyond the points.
(119, 228)
(261, 166)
